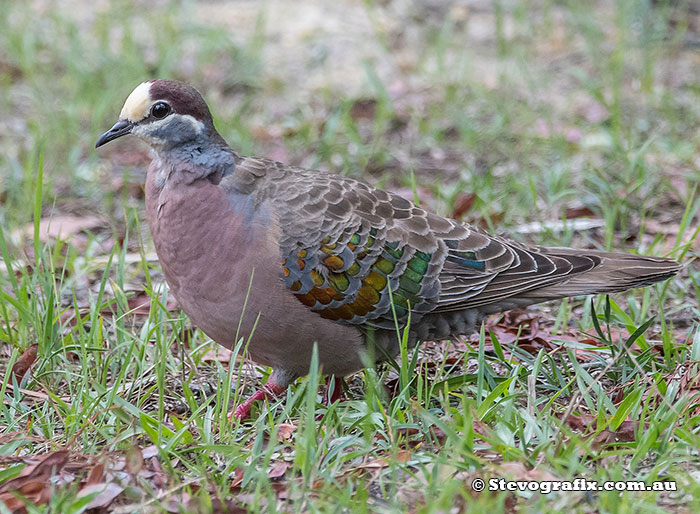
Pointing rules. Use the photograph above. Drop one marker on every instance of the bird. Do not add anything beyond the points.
(298, 260)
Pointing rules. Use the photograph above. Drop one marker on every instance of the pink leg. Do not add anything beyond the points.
(269, 391)
(338, 384)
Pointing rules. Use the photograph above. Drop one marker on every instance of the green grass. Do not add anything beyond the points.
(559, 107)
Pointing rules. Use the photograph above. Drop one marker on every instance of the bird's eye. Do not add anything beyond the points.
(160, 110)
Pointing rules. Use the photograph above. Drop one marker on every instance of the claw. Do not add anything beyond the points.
(272, 390)
(269, 391)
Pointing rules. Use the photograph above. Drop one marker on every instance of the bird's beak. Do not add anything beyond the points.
(120, 128)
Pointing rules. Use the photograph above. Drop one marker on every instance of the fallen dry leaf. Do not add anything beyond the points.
(134, 460)
(158, 477)
(364, 108)
(38, 395)
(149, 451)
(524, 326)
(285, 431)
(278, 469)
(518, 471)
(34, 482)
(61, 227)
(376, 463)
(19, 436)
(438, 434)
(139, 304)
(238, 474)
(579, 211)
(481, 428)
(217, 354)
(105, 493)
(96, 474)
(403, 456)
(586, 424)
(48, 464)
(22, 365)
(178, 502)
(463, 203)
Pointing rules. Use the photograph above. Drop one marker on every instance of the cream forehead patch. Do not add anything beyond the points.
(137, 104)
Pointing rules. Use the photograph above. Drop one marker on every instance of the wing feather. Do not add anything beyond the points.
(360, 255)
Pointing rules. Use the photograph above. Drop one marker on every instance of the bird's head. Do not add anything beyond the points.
(165, 114)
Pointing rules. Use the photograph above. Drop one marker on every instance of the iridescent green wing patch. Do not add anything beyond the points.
(356, 278)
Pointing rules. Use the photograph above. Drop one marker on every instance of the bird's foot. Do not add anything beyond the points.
(270, 391)
(330, 397)
(337, 393)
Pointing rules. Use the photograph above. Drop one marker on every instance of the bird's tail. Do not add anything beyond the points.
(615, 272)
